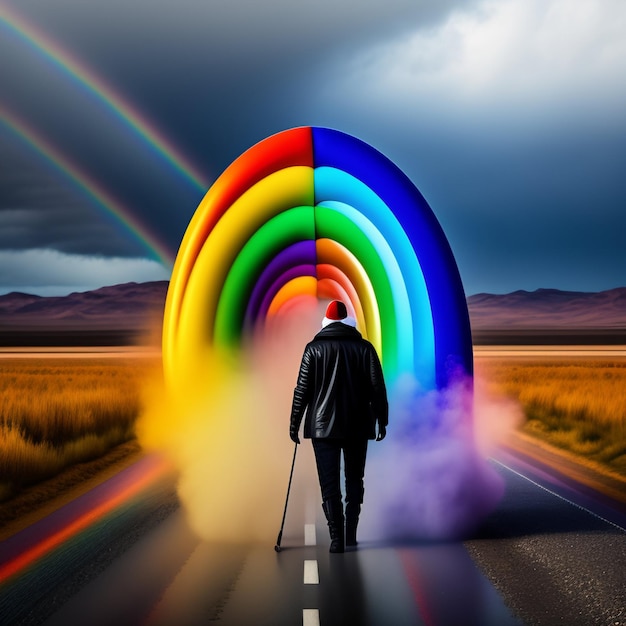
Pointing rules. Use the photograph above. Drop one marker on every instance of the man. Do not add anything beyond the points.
(342, 391)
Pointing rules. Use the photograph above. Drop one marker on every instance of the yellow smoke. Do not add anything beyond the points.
(227, 433)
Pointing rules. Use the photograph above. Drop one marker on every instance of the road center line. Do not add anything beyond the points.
(309, 535)
(311, 573)
(310, 617)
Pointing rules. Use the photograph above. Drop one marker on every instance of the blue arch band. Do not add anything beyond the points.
(446, 296)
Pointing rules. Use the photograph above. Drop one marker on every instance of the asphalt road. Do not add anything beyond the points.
(556, 552)
(538, 559)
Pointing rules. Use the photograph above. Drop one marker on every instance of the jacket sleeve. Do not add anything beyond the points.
(301, 393)
(379, 402)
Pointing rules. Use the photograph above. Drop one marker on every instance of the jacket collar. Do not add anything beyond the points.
(338, 329)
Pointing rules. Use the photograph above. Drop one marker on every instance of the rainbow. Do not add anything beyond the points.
(88, 80)
(91, 188)
(314, 212)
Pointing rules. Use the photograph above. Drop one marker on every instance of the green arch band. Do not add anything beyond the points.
(290, 226)
(331, 224)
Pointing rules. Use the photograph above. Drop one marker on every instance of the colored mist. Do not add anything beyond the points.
(432, 478)
(228, 437)
(228, 433)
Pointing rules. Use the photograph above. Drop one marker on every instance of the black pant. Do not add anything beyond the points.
(328, 461)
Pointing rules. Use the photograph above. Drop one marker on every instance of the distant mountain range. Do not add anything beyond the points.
(126, 314)
(548, 309)
(132, 313)
(549, 316)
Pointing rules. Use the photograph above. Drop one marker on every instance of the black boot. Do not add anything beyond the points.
(352, 521)
(333, 509)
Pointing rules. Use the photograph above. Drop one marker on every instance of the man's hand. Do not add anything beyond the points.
(382, 433)
(294, 437)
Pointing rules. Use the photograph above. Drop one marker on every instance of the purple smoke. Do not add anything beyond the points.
(428, 479)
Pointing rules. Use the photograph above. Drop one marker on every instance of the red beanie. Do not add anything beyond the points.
(336, 311)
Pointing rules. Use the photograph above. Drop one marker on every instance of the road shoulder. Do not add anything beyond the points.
(36, 502)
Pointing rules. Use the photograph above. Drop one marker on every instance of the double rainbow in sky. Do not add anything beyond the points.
(315, 213)
(74, 71)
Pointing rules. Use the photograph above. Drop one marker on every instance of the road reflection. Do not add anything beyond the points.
(430, 584)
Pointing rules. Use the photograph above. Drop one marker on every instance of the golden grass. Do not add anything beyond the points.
(579, 406)
(33, 502)
(56, 412)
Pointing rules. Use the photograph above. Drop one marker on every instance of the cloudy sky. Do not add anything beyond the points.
(508, 115)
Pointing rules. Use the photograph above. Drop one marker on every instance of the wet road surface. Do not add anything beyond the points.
(538, 559)
(236, 585)
(557, 554)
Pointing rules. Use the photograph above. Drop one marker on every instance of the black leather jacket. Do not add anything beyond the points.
(340, 387)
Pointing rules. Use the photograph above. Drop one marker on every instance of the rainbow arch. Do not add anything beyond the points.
(314, 212)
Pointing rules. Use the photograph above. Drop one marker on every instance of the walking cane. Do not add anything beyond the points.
(282, 524)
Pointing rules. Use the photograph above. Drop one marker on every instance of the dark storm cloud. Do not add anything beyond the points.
(222, 75)
(218, 76)
(511, 123)
(37, 210)
(507, 115)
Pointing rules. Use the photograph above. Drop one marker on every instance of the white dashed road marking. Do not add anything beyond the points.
(309, 535)
(310, 617)
(311, 573)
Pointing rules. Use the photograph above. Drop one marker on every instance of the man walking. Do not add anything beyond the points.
(341, 390)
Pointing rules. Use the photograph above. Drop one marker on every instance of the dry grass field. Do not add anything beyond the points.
(56, 412)
(60, 411)
(578, 405)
